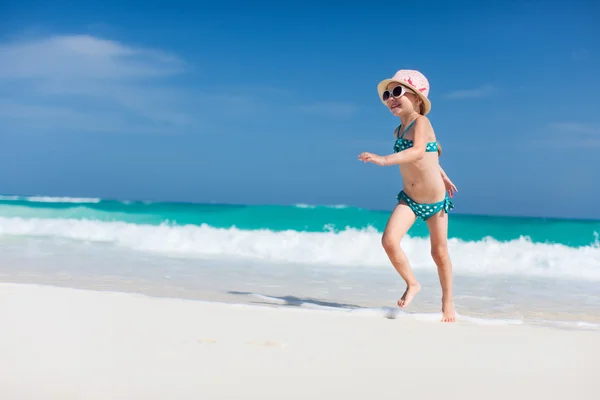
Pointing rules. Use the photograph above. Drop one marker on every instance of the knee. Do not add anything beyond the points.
(389, 242)
(440, 254)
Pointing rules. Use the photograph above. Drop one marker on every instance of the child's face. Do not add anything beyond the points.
(403, 104)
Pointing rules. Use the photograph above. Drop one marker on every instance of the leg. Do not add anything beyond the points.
(438, 232)
(400, 221)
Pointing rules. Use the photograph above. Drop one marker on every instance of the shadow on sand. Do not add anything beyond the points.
(293, 301)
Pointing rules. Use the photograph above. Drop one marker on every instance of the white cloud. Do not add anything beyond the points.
(575, 127)
(81, 82)
(83, 57)
(570, 134)
(84, 83)
(474, 93)
(560, 143)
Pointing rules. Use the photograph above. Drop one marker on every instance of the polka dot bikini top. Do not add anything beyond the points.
(402, 144)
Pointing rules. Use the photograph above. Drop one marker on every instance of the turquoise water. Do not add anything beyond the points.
(513, 269)
(301, 218)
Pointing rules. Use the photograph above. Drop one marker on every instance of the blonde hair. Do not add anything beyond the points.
(419, 102)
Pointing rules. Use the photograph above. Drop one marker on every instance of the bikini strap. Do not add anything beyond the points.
(407, 128)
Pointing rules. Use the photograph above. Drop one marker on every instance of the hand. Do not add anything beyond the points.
(450, 188)
(370, 157)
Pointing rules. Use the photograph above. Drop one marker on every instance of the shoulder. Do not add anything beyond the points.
(423, 125)
(423, 128)
(423, 122)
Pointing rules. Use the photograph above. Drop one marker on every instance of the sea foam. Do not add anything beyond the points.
(350, 248)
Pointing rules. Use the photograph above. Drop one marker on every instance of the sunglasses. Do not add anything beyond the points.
(396, 92)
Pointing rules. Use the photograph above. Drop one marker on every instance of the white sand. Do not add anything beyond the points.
(59, 343)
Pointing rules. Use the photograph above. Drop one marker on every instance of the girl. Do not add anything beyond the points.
(416, 151)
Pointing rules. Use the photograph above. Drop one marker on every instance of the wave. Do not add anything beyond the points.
(350, 248)
(299, 217)
(337, 206)
(51, 199)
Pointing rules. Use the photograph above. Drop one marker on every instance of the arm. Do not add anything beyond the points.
(415, 153)
(450, 187)
(444, 176)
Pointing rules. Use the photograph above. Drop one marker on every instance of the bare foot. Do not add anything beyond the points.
(448, 312)
(411, 291)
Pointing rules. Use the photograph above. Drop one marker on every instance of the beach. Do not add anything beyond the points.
(65, 343)
(170, 233)
(104, 299)
(505, 269)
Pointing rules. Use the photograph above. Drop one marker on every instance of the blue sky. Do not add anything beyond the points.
(244, 102)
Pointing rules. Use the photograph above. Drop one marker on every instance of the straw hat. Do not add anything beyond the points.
(413, 80)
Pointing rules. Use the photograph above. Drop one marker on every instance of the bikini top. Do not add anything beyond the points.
(402, 144)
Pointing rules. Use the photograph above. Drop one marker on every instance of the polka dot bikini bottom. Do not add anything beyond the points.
(425, 211)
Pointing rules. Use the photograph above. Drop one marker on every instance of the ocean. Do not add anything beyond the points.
(507, 270)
